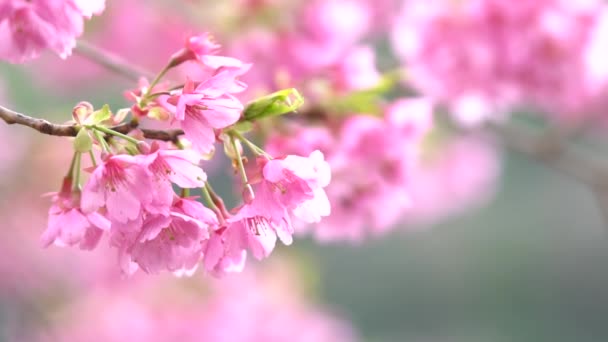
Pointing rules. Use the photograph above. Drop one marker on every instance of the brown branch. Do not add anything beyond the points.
(70, 130)
(552, 150)
(111, 62)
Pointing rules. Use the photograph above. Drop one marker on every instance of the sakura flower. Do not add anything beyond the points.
(357, 70)
(289, 186)
(178, 166)
(170, 242)
(122, 187)
(68, 225)
(225, 251)
(29, 27)
(203, 48)
(300, 182)
(371, 161)
(200, 109)
(481, 57)
(253, 228)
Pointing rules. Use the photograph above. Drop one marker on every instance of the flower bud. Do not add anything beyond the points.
(82, 111)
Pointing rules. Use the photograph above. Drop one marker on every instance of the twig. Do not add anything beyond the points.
(552, 150)
(111, 62)
(45, 127)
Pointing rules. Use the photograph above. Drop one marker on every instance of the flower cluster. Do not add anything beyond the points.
(130, 195)
(265, 305)
(371, 160)
(29, 27)
(483, 57)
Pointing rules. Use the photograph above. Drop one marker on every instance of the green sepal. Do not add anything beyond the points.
(83, 142)
(278, 103)
(243, 126)
(99, 116)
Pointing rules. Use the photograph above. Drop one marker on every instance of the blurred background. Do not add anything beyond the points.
(525, 263)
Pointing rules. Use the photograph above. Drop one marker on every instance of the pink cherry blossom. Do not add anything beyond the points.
(210, 105)
(203, 48)
(481, 57)
(461, 176)
(371, 161)
(357, 70)
(170, 242)
(264, 304)
(225, 251)
(178, 166)
(297, 183)
(29, 27)
(123, 187)
(68, 225)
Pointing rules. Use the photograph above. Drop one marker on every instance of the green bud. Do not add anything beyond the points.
(83, 142)
(278, 103)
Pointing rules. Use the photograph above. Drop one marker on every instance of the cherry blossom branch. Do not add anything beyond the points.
(552, 150)
(111, 62)
(70, 130)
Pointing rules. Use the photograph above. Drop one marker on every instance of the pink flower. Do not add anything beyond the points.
(481, 57)
(339, 22)
(225, 251)
(68, 225)
(123, 187)
(297, 183)
(172, 242)
(203, 49)
(371, 161)
(29, 27)
(289, 186)
(178, 166)
(463, 176)
(208, 106)
(357, 70)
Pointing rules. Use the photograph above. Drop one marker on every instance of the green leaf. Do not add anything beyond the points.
(278, 103)
(83, 142)
(99, 116)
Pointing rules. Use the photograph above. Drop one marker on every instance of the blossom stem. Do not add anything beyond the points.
(102, 141)
(118, 134)
(76, 170)
(239, 160)
(217, 201)
(93, 160)
(253, 147)
(185, 192)
(208, 199)
(110, 61)
(71, 169)
(155, 81)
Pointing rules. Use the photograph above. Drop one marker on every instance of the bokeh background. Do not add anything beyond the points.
(527, 264)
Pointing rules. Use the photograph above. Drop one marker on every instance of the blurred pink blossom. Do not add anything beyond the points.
(461, 175)
(483, 57)
(371, 160)
(29, 27)
(256, 306)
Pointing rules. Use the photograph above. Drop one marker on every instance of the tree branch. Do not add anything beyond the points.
(551, 150)
(111, 62)
(43, 126)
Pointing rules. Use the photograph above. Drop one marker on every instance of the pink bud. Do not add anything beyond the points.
(82, 111)
(143, 147)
